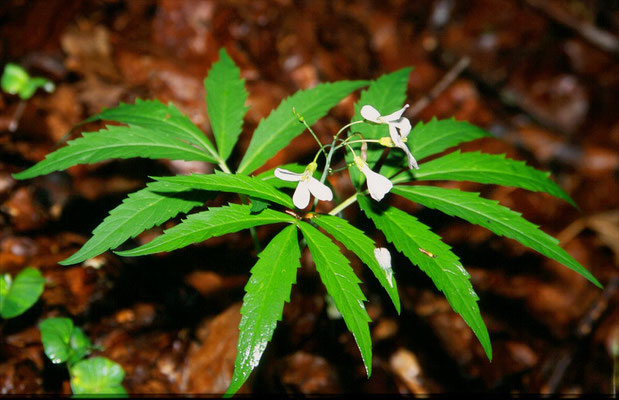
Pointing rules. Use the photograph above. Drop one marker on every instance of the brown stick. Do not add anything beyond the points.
(594, 35)
(440, 87)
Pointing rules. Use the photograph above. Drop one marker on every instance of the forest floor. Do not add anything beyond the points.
(542, 76)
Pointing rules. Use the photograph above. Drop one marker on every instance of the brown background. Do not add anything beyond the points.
(543, 76)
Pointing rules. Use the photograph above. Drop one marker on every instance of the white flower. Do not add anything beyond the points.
(378, 185)
(384, 260)
(307, 184)
(399, 128)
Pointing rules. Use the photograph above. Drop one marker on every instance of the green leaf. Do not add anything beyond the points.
(141, 210)
(14, 78)
(435, 136)
(257, 205)
(357, 242)
(418, 243)
(343, 286)
(115, 142)
(160, 120)
(268, 288)
(281, 126)
(223, 182)
(80, 346)
(386, 94)
(62, 341)
(491, 215)
(225, 100)
(97, 376)
(488, 168)
(16, 296)
(201, 226)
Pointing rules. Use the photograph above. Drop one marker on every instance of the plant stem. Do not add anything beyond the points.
(344, 204)
(224, 167)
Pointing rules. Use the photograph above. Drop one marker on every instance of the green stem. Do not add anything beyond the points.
(224, 167)
(344, 204)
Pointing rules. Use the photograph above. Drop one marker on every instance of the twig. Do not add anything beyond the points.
(440, 87)
(596, 36)
(584, 328)
(17, 116)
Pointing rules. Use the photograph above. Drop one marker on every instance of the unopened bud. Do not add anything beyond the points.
(386, 141)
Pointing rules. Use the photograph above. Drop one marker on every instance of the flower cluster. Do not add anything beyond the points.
(378, 185)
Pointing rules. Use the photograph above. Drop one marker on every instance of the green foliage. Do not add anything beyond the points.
(160, 120)
(268, 288)
(490, 215)
(225, 99)
(281, 126)
(216, 221)
(155, 130)
(62, 341)
(435, 136)
(248, 185)
(97, 376)
(488, 168)
(356, 241)
(141, 210)
(416, 242)
(18, 295)
(115, 142)
(343, 286)
(15, 80)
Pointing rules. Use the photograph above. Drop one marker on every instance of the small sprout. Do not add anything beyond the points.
(15, 80)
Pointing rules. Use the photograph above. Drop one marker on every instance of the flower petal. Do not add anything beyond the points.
(403, 125)
(378, 185)
(320, 190)
(384, 260)
(286, 175)
(370, 113)
(396, 115)
(301, 196)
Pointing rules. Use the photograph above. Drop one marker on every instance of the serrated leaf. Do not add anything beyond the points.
(386, 94)
(141, 210)
(160, 119)
(491, 215)
(489, 168)
(343, 286)
(356, 241)
(435, 136)
(18, 295)
(268, 288)
(257, 205)
(427, 139)
(97, 376)
(223, 182)
(216, 221)
(114, 142)
(426, 250)
(225, 100)
(281, 126)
